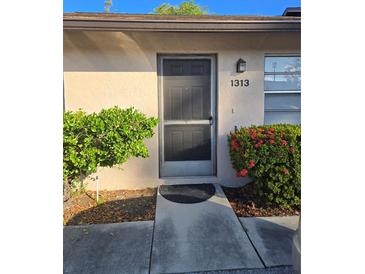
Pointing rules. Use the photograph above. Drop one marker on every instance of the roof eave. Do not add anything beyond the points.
(182, 26)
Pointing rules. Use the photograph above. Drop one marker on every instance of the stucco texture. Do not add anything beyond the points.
(103, 69)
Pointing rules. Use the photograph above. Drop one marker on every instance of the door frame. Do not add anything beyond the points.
(214, 107)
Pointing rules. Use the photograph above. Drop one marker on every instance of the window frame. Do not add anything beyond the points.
(281, 73)
(280, 91)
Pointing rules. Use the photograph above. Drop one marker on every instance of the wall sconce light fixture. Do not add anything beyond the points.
(241, 65)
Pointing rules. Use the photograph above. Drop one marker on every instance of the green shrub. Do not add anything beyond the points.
(105, 139)
(185, 8)
(271, 156)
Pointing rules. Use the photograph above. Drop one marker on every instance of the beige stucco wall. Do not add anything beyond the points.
(104, 69)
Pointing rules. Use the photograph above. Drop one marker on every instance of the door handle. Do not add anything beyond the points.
(211, 120)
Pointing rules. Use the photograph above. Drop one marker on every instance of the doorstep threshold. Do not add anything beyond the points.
(190, 180)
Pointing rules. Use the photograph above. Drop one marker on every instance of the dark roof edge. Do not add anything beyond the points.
(292, 10)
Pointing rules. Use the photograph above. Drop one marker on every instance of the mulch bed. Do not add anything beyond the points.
(246, 204)
(114, 207)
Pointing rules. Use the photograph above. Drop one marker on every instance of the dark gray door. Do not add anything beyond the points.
(187, 117)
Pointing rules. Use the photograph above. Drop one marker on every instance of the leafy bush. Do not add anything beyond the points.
(104, 139)
(271, 156)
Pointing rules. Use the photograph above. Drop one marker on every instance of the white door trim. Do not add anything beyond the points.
(190, 170)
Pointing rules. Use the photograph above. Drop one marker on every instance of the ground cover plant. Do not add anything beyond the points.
(270, 155)
(103, 139)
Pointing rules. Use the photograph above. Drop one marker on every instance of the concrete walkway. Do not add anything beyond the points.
(272, 238)
(200, 237)
(270, 270)
(107, 248)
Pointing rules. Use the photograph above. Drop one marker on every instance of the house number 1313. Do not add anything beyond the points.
(240, 83)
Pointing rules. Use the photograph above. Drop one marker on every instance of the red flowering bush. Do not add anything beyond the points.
(271, 156)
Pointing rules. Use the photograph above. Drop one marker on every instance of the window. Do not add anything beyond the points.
(282, 89)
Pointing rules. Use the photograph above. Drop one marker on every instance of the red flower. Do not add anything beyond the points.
(251, 164)
(285, 171)
(234, 144)
(272, 142)
(271, 129)
(284, 142)
(242, 173)
(253, 134)
(259, 143)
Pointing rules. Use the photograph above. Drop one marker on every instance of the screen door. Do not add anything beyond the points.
(187, 116)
